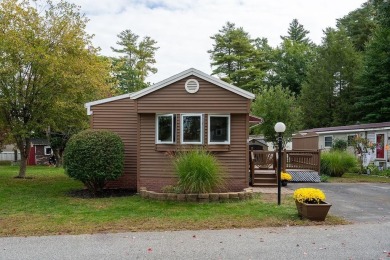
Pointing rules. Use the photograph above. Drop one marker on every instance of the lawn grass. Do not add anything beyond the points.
(41, 206)
(356, 178)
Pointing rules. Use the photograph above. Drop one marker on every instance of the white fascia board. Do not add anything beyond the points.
(102, 101)
(196, 73)
(354, 130)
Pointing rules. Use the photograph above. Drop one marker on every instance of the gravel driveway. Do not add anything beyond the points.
(358, 202)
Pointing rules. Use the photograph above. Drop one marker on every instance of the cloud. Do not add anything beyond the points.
(183, 28)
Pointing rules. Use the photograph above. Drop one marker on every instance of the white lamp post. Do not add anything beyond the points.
(279, 128)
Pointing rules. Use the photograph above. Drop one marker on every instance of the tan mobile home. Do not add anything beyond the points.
(190, 109)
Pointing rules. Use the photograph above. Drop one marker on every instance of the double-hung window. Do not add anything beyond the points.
(328, 141)
(166, 129)
(191, 129)
(219, 129)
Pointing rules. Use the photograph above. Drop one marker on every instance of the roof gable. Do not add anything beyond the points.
(192, 72)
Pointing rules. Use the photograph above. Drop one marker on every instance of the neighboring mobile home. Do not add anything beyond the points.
(323, 138)
(188, 110)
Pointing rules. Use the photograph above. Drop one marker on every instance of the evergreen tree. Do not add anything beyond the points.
(360, 24)
(136, 62)
(235, 58)
(373, 101)
(292, 58)
(297, 33)
(328, 93)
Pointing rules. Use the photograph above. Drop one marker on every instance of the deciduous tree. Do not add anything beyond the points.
(276, 104)
(46, 59)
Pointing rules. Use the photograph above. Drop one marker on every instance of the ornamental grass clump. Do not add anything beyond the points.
(198, 171)
(336, 163)
(309, 196)
(285, 176)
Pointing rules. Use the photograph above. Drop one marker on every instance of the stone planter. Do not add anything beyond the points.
(316, 212)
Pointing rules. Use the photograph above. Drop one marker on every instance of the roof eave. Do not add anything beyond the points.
(102, 101)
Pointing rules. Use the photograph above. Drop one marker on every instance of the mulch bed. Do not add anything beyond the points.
(106, 193)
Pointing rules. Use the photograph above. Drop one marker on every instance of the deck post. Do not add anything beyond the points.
(319, 162)
(252, 167)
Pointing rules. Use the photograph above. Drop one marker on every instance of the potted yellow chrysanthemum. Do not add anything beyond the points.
(285, 177)
(311, 203)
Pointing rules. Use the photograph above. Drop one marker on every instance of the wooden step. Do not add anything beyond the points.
(265, 180)
(265, 185)
(265, 175)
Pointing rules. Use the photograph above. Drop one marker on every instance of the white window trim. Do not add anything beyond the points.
(325, 141)
(209, 128)
(44, 149)
(201, 128)
(173, 129)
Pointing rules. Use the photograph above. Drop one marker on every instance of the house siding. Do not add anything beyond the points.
(155, 165)
(119, 116)
(209, 98)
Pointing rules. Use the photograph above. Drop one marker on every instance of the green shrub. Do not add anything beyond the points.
(198, 171)
(336, 163)
(339, 145)
(94, 157)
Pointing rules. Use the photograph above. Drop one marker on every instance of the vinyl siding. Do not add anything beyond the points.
(120, 117)
(209, 98)
(157, 164)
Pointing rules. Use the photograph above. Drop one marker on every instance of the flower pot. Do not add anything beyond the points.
(284, 183)
(316, 212)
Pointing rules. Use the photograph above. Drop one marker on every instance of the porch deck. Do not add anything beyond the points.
(302, 165)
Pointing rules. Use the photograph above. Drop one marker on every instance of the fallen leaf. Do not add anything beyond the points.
(150, 249)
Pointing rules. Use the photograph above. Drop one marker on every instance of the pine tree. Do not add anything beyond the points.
(360, 24)
(292, 58)
(373, 102)
(297, 33)
(329, 90)
(235, 58)
(135, 63)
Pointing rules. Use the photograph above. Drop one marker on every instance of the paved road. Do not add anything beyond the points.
(363, 241)
(358, 202)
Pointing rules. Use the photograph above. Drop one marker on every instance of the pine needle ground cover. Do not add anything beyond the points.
(42, 206)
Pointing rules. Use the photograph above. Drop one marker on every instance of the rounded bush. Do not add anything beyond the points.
(198, 172)
(336, 163)
(94, 157)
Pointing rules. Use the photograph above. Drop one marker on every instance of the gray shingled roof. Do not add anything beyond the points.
(348, 127)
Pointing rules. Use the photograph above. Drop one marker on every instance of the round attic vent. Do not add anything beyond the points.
(192, 86)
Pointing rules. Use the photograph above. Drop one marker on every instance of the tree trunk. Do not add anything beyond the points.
(24, 146)
(58, 156)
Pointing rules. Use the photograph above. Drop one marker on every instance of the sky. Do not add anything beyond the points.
(182, 28)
